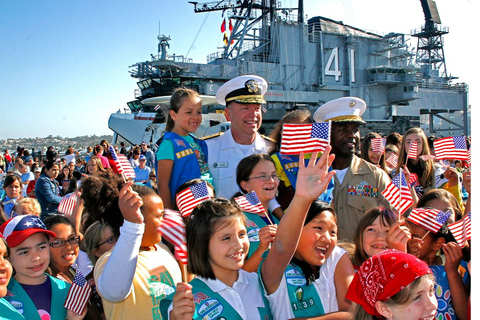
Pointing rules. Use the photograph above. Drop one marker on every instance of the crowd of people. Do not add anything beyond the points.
(324, 241)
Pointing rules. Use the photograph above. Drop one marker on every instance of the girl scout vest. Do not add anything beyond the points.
(211, 305)
(19, 299)
(304, 300)
(290, 167)
(254, 224)
(185, 163)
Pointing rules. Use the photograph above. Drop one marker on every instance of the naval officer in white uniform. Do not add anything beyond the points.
(243, 98)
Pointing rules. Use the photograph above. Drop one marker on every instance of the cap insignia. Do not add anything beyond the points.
(352, 103)
(251, 85)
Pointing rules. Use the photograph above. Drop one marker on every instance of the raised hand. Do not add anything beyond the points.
(398, 236)
(130, 202)
(312, 180)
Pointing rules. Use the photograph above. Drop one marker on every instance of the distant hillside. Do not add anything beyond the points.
(61, 144)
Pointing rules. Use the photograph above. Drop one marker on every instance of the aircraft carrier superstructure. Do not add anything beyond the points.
(308, 63)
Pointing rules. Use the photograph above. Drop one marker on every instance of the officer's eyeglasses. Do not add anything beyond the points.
(110, 240)
(266, 177)
(61, 243)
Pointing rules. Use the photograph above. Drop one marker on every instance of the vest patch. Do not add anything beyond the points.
(210, 309)
(184, 153)
(253, 235)
(295, 278)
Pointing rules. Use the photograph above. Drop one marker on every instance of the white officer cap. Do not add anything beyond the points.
(347, 109)
(243, 89)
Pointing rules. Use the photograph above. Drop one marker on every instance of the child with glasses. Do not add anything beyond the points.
(33, 293)
(66, 259)
(257, 173)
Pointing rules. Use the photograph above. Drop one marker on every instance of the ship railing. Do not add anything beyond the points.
(437, 28)
(444, 86)
(175, 58)
(214, 56)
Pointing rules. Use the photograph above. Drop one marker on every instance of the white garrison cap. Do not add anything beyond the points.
(243, 89)
(347, 109)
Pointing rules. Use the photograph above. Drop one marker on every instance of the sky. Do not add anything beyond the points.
(64, 64)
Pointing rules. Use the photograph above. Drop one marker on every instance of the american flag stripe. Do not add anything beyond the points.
(78, 294)
(67, 204)
(189, 198)
(462, 229)
(378, 145)
(430, 219)
(398, 193)
(250, 203)
(122, 164)
(412, 151)
(393, 160)
(297, 138)
(173, 230)
(451, 148)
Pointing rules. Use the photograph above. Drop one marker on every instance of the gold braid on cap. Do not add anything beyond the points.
(250, 98)
(349, 118)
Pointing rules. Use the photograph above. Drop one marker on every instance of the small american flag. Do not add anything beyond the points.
(250, 203)
(462, 229)
(378, 145)
(398, 193)
(451, 148)
(191, 197)
(67, 204)
(430, 219)
(313, 137)
(393, 160)
(173, 230)
(412, 151)
(413, 179)
(78, 295)
(122, 165)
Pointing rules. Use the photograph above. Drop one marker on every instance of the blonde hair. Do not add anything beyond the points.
(32, 206)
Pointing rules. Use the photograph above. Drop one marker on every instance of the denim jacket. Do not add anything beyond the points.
(47, 193)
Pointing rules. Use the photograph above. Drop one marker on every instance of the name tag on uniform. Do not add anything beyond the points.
(220, 165)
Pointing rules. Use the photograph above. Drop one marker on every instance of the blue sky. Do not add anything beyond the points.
(64, 64)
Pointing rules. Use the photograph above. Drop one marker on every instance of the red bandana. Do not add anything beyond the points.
(384, 275)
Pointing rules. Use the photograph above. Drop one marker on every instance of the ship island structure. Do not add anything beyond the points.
(306, 64)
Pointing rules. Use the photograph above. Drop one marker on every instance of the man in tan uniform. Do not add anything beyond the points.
(358, 184)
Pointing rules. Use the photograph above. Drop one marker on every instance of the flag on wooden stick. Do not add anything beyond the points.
(398, 193)
(191, 197)
(462, 229)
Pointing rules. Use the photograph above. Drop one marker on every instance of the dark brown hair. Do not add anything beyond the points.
(246, 165)
(366, 143)
(388, 217)
(205, 219)
(176, 102)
